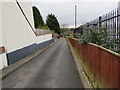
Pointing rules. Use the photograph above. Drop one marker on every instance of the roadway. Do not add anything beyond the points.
(54, 68)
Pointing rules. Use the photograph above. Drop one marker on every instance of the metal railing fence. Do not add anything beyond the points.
(111, 21)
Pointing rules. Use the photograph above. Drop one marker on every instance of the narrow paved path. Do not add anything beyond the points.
(54, 68)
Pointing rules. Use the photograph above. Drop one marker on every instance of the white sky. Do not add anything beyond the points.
(87, 10)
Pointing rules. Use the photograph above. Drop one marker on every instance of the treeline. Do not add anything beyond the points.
(51, 21)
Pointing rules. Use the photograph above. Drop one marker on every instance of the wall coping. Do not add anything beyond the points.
(43, 34)
(107, 50)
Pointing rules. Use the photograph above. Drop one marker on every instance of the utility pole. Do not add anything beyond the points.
(119, 4)
(75, 16)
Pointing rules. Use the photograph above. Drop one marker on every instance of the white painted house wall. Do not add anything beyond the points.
(15, 29)
(3, 60)
(0, 24)
(43, 38)
(0, 33)
(18, 33)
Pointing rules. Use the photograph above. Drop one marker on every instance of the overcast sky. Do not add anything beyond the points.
(87, 10)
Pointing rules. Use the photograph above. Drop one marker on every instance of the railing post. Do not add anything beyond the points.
(100, 21)
(87, 25)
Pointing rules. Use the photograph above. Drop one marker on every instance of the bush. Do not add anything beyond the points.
(100, 37)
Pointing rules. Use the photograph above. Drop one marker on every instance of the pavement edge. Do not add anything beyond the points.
(8, 70)
(83, 76)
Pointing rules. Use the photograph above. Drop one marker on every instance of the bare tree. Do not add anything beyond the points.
(64, 26)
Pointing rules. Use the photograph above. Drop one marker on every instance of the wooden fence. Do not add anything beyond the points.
(101, 65)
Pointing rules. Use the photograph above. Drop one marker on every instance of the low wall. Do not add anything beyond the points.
(101, 65)
(55, 36)
(18, 54)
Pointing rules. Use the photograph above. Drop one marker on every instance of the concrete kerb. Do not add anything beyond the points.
(83, 76)
(8, 70)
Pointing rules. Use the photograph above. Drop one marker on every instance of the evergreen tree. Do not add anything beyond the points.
(38, 20)
(53, 23)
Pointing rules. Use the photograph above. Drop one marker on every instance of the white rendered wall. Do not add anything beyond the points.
(27, 7)
(18, 33)
(0, 24)
(15, 30)
(43, 38)
(3, 59)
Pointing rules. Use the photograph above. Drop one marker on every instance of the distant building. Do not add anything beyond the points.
(67, 33)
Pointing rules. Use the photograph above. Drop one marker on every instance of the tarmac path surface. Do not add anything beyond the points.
(54, 68)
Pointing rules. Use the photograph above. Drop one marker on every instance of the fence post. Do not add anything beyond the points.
(118, 12)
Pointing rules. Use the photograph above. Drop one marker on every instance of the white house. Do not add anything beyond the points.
(17, 37)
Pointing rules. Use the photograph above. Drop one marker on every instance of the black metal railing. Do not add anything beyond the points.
(111, 21)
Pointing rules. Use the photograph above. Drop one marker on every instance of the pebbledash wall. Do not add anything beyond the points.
(16, 35)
